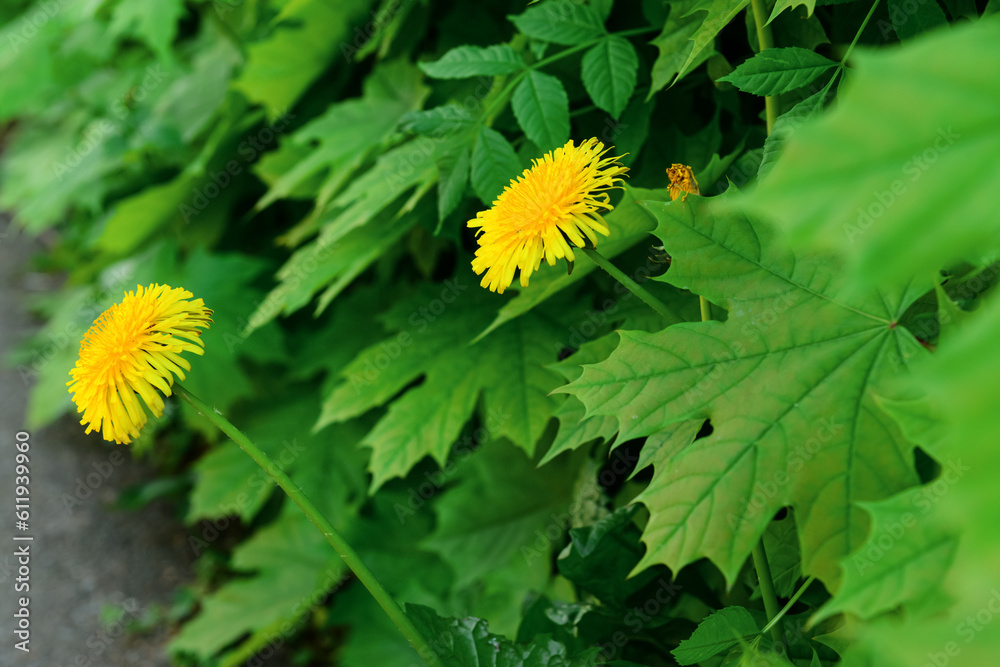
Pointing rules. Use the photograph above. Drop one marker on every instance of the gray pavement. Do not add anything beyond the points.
(88, 558)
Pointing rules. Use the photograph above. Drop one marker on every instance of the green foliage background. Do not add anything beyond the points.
(558, 475)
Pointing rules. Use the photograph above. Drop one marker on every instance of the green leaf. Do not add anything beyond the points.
(560, 22)
(466, 61)
(45, 175)
(600, 557)
(811, 437)
(910, 20)
(542, 109)
(348, 133)
(664, 445)
(359, 225)
(675, 48)
(957, 384)
(331, 266)
(155, 24)
(281, 67)
(905, 558)
(467, 642)
(433, 330)
(227, 482)
(575, 430)
(719, 632)
(191, 102)
(718, 15)
(494, 165)
(453, 178)
(886, 179)
(782, 5)
(439, 121)
(503, 510)
(776, 71)
(294, 569)
(609, 73)
(372, 638)
(45, 360)
(28, 68)
(781, 543)
(784, 127)
(135, 219)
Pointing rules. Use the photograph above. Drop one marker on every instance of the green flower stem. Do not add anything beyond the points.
(759, 555)
(765, 41)
(767, 592)
(784, 610)
(628, 283)
(336, 540)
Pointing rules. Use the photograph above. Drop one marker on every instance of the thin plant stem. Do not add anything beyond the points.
(842, 65)
(765, 40)
(706, 309)
(628, 283)
(336, 540)
(784, 610)
(767, 592)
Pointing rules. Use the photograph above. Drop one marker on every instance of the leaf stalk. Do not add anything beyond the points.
(767, 592)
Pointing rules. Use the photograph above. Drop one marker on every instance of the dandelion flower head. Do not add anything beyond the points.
(548, 209)
(682, 182)
(134, 348)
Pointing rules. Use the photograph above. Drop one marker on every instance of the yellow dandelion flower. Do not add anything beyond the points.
(554, 205)
(135, 347)
(682, 182)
